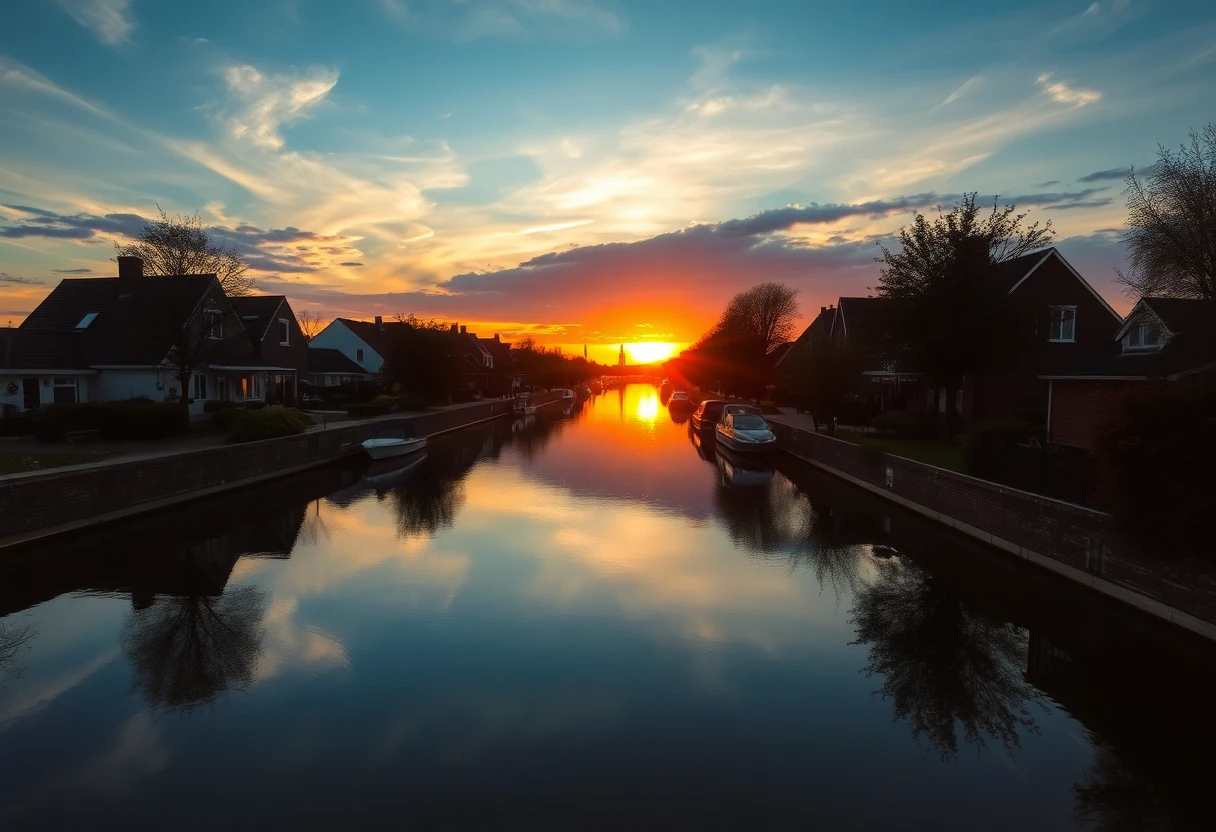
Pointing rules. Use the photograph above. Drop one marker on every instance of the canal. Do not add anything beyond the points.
(589, 619)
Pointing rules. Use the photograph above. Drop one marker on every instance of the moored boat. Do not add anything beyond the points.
(389, 444)
(745, 432)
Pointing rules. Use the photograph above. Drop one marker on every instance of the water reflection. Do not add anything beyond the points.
(582, 611)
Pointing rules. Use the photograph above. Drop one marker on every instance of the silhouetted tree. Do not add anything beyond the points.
(177, 245)
(1171, 219)
(310, 323)
(764, 314)
(823, 374)
(952, 315)
(944, 668)
(424, 358)
(187, 650)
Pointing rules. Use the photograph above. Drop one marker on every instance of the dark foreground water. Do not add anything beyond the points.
(587, 621)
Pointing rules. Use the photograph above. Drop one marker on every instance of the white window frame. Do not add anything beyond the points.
(1057, 320)
(213, 320)
(64, 383)
(1139, 329)
(200, 387)
(285, 341)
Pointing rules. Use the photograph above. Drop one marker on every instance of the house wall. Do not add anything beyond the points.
(337, 337)
(85, 388)
(118, 385)
(1053, 284)
(295, 353)
(1078, 543)
(1078, 409)
(17, 399)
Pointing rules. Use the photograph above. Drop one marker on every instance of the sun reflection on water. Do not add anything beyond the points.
(648, 406)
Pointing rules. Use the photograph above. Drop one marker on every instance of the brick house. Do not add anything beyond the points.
(278, 343)
(1162, 340)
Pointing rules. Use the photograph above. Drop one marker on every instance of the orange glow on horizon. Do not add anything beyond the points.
(648, 352)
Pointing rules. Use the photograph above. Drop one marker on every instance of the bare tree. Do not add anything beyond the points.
(310, 323)
(1171, 219)
(177, 245)
(765, 312)
(204, 331)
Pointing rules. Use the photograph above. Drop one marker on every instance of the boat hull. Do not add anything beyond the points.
(391, 450)
(745, 447)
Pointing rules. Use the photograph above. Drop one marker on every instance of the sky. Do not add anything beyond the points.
(582, 171)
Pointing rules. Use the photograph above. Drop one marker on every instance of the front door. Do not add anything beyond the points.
(29, 390)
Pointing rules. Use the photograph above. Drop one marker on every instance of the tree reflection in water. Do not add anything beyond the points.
(187, 650)
(14, 641)
(943, 667)
(427, 504)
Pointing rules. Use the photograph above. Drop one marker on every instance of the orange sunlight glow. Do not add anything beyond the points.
(648, 352)
(648, 406)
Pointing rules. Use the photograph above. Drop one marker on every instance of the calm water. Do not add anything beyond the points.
(588, 620)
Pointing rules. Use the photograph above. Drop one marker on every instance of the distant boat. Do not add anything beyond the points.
(388, 444)
(679, 399)
(567, 394)
(523, 406)
(746, 432)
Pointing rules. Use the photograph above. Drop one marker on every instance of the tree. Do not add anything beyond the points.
(764, 313)
(951, 314)
(180, 244)
(422, 358)
(1171, 219)
(203, 331)
(310, 323)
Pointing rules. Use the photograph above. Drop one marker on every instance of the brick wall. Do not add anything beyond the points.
(1019, 522)
(1078, 408)
(32, 503)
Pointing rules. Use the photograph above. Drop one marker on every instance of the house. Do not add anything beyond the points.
(509, 379)
(330, 368)
(1162, 340)
(278, 343)
(130, 336)
(363, 342)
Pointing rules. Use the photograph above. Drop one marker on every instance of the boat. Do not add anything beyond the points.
(392, 443)
(679, 400)
(567, 395)
(745, 432)
(523, 406)
(738, 473)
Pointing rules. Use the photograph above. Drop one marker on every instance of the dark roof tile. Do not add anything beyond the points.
(333, 362)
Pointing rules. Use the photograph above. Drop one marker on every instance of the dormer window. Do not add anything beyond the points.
(1142, 335)
(1062, 324)
(213, 320)
(86, 320)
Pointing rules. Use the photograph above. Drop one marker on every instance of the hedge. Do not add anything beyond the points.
(264, 423)
(983, 445)
(113, 420)
(383, 405)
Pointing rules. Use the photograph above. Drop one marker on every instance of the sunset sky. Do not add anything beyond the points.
(599, 171)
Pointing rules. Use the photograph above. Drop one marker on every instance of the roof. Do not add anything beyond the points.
(777, 353)
(373, 334)
(1012, 272)
(257, 312)
(472, 350)
(503, 359)
(327, 361)
(859, 317)
(135, 321)
(1190, 348)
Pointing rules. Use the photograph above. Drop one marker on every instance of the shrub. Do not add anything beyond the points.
(264, 423)
(905, 424)
(254, 405)
(113, 420)
(384, 398)
(1155, 454)
(983, 446)
(224, 417)
(300, 416)
(13, 422)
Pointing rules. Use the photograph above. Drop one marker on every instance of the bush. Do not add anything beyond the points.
(13, 422)
(300, 416)
(224, 417)
(113, 420)
(1155, 455)
(264, 423)
(906, 424)
(983, 446)
(384, 398)
(384, 405)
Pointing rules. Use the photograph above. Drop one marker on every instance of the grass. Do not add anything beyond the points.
(948, 455)
(17, 462)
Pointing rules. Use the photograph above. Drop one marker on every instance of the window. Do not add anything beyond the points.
(65, 390)
(86, 320)
(487, 361)
(214, 321)
(1062, 323)
(200, 387)
(284, 332)
(359, 356)
(1142, 335)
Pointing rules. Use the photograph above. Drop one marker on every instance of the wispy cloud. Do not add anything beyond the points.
(478, 19)
(271, 101)
(1064, 94)
(71, 271)
(1106, 175)
(966, 87)
(19, 281)
(109, 20)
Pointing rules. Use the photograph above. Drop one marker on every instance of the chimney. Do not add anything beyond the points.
(455, 329)
(823, 310)
(496, 339)
(379, 323)
(464, 330)
(130, 268)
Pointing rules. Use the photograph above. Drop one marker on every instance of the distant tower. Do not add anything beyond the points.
(584, 352)
(620, 362)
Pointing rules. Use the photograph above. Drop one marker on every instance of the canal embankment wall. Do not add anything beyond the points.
(41, 504)
(1076, 542)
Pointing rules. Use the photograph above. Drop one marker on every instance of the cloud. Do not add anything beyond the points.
(72, 271)
(966, 87)
(1105, 175)
(477, 19)
(272, 101)
(70, 226)
(108, 20)
(1060, 92)
(20, 281)
(1046, 184)
(350, 264)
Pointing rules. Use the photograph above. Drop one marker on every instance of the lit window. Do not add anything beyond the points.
(214, 321)
(1062, 323)
(285, 332)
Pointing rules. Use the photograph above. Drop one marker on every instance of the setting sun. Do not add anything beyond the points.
(648, 352)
